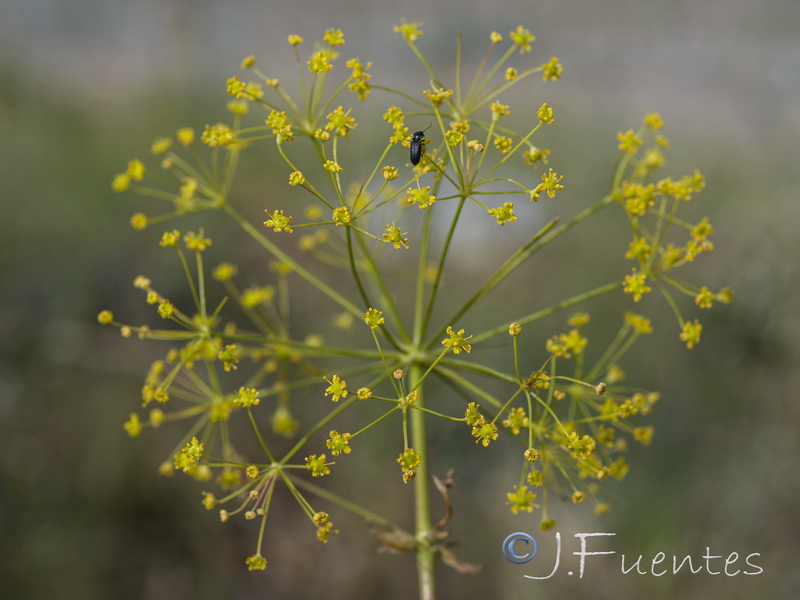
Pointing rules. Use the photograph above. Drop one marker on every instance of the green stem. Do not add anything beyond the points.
(422, 266)
(426, 554)
(439, 271)
(386, 296)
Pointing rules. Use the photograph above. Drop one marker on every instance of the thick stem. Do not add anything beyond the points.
(426, 555)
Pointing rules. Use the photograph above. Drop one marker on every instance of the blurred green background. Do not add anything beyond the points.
(86, 85)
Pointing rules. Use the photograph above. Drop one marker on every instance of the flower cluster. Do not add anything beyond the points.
(251, 355)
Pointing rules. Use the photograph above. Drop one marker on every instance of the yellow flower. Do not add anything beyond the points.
(520, 499)
(256, 563)
(691, 333)
(421, 197)
(456, 342)
(185, 136)
(278, 221)
(484, 431)
(341, 216)
(333, 37)
(337, 388)
(636, 285)
(409, 31)
(522, 39)
(332, 166)
(552, 69)
(341, 121)
(504, 214)
(629, 141)
(704, 298)
(316, 464)
(217, 135)
(160, 145)
(545, 114)
(395, 236)
(373, 318)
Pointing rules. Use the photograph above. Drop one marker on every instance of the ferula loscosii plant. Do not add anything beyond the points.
(257, 406)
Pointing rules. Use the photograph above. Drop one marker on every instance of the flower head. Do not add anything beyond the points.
(341, 216)
(333, 37)
(170, 239)
(580, 447)
(409, 31)
(395, 236)
(499, 110)
(373, 318)
(522, 39)
(629, 141)
(337, 388)
(246, 397)
(437, 95)
(552, 70)
(704, 298)
(229, 357)
(517, 419)
(503, 144)
(188, 457)
(160, 145)
(472, 415)
(421, 197)
(133, 426)
(484, 431)
(340, 121)
(545, 114)
(338, 443)
(520, 499)
(691, 333)
(316, 464)
(532, 455)
(636, 285)
(278, 221)
(224, 271)
(217, 135)
(196, 241)
(332, 166)
(409, 460)
(256, 563)
(320, 61)
(360, 84)
(185, 136)
(504, 214)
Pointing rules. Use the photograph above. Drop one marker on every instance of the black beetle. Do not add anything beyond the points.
(416, 145)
